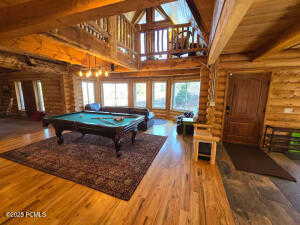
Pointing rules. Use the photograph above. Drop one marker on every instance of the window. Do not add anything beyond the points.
(158, 16)
(186, 96)
(159, 91)
(19, 94)
(88, 92)
(140, 96)
(39, 97)
(115, 94)
(143, 19)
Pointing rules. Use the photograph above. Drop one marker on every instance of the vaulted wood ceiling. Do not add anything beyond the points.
(263, 25)
(258, 28)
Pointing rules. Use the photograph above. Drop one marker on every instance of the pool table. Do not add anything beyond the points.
(98, 123)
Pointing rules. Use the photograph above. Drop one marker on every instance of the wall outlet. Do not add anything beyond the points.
(288, 110)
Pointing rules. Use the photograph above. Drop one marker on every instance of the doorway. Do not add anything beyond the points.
(245, 109)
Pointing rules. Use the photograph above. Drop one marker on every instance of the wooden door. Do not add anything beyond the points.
(29, 97)
(246, 103)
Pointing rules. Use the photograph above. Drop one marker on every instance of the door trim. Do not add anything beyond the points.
(267, 77)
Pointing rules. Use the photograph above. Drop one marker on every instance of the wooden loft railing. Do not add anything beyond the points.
(171, 42)
(115, 40)
(117, 34)
(126, 37)
(97, 28)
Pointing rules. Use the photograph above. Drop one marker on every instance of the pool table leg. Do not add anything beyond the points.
(60, 138)
(117, 143)
(133, 136)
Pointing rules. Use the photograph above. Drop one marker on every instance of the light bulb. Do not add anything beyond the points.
(100, 72)
(89, 73)
(80, 73)
(97, 74)
(106, 74)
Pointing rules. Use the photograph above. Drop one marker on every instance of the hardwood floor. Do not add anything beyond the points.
(175, 190)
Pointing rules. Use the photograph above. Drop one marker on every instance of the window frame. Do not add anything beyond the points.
(94, 84)
(166, 94)
(19, 95)
(134, 93)
(173, 94)
(39, 96)
(114, 82)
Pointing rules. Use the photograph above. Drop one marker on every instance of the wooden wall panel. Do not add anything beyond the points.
(284, 94)
(221, 87)
(57, 90)
(4, 96)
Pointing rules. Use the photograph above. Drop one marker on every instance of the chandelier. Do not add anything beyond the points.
(96, 71)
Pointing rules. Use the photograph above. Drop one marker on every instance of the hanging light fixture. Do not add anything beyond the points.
(89, 73)
(95, 70)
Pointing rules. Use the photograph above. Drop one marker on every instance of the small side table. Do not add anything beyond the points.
(203, 134)
(187, 121)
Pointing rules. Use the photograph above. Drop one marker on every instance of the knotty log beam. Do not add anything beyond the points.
(158, 73)
(84, 42)
(172, 64)
(240, 62)
(287, 39)
(43, 15)
(204, 27)
(29, 64)
(27, 16)
(233, 11)
(45, 46)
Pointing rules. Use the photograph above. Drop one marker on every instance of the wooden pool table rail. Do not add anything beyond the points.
(115, 133)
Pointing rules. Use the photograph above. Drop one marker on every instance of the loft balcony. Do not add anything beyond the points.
(168, 42)
(132, 39)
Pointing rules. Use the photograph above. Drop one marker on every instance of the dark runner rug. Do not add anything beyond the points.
(254, 160)
(91, 160)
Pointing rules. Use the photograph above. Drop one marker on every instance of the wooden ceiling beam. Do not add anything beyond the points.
(26, 63)
(287, 39)
(205, 11)
(162, 11)
(43, 15)
(197, 16)
(44, 46)
(137, 16)
(232, 13)
(173, 64)
(158, 73)
(84, 42)
(26, 16)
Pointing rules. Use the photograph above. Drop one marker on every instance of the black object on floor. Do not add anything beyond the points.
(204, 148)
(252, 159)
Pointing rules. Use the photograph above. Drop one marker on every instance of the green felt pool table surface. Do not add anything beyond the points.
(101, 119)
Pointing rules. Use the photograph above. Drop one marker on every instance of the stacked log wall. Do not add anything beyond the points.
(284, 94)
(57, 91)
(220, 101)
(284, 89)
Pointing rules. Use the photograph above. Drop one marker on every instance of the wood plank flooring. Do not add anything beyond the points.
(175, 190)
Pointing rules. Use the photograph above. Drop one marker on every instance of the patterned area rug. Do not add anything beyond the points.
(91, 160)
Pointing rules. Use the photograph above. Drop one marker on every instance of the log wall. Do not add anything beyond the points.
(284, 95)
(284, 91)
(57, 91)
(221, 88)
